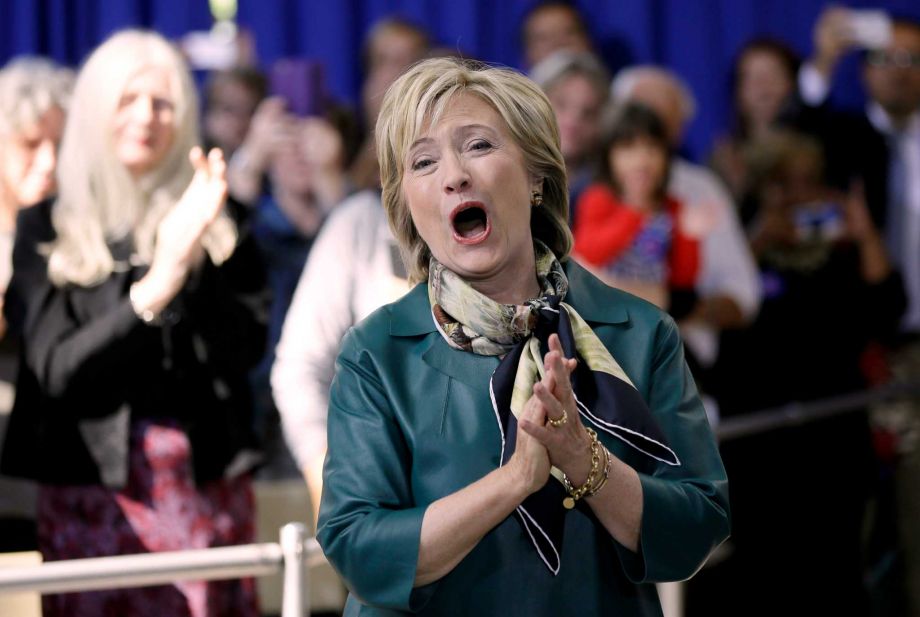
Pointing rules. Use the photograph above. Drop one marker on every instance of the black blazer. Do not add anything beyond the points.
(853, 149)
(89, 365)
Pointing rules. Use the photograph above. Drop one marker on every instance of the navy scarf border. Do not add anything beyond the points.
(619, 410)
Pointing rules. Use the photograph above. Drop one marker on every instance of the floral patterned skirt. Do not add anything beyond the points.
(160, 509)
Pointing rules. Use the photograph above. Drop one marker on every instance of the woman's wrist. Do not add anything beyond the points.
(152, 294)
(579, 466)
(516, 481)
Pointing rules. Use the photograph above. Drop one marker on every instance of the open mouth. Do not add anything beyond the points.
(470, 223)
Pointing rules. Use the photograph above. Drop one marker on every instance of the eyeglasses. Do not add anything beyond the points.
(900, 57)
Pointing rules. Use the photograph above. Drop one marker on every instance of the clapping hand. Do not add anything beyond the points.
(178, 243)
(179, 234)
(560, 431)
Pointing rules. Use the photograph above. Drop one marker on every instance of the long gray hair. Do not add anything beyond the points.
(99, 201)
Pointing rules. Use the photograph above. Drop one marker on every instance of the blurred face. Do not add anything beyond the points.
(390, 53)
(28, 159)
(468, 190)
(638, 168)
(229, 114)
(800, 180)
(660, 95)
(144, 128)
(552, 29)
(764, 85)
(577, 104)
(892, 75)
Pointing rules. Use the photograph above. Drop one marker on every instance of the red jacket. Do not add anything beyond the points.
(605, 227)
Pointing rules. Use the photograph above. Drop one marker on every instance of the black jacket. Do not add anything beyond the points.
(89, 366)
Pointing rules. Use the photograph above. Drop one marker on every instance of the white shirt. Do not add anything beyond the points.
(906, 148)
(814, 88)
(351, 271)
(727, 267)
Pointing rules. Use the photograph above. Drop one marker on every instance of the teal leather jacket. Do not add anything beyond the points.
(411, 421)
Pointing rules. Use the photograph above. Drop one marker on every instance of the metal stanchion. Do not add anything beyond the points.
(296, 588)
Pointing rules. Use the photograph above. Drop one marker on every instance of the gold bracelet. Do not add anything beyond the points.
(576, 493)
(603, 479)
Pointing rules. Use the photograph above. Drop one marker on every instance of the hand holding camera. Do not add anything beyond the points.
(839, 30)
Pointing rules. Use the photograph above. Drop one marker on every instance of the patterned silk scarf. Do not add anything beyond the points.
(606, 398)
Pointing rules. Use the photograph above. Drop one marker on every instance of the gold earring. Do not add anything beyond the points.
(536, 199)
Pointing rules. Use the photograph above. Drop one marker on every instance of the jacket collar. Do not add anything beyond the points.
(594, 301)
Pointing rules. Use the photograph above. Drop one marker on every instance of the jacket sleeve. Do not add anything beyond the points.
(369, 526)
(229, 304)
(685, 510)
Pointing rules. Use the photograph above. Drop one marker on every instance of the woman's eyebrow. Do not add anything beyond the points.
(467, 128)
(421, 141)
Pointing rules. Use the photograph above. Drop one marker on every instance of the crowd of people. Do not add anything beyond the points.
(179, 277)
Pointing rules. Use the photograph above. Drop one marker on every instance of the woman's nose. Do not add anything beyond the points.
(46, 157)
(143, 109)
(456, 176)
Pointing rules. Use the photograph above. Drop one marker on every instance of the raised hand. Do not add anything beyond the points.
(179, 234)
(833, 37)
(530, 458)
(178, 242)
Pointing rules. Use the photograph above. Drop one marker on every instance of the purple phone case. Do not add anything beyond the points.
(302, 85)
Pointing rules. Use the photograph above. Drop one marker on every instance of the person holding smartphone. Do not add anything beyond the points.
(881, 146)
(829, 290)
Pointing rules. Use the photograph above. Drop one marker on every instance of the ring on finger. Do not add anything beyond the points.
(557, 422)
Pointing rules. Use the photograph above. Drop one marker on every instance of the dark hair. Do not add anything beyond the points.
(623, 125)
(385, 24)
(543, 5)
(250, 78)
(905, 21)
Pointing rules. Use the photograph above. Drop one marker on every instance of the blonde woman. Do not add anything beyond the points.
(512, 437)
(143, 310)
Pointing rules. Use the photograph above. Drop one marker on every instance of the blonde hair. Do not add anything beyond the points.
(99, 202)
(421, 95)
(30, 87)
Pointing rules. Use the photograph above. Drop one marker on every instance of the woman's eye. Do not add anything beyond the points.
(421, 164)
(480, 144)
(163, 104)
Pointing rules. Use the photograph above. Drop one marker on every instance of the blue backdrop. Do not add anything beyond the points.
(697, 38)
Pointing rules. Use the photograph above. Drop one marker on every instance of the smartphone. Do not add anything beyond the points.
(301, 83)
(819, 221)
(870, 28)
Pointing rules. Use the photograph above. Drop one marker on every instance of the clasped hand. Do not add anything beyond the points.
(539, 444)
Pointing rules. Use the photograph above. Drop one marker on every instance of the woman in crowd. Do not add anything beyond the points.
(231, 97)
(144, 310)
(34, 93)
(628, 227)
(765, 92)
(829, 290)
(463, 475)
(291, 171)
(577, 86)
